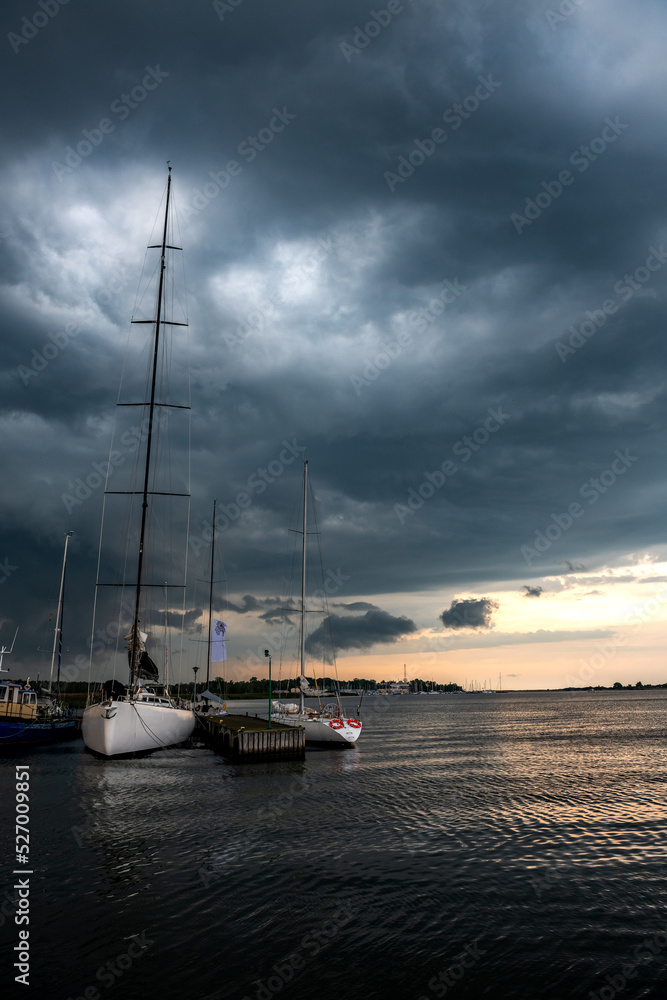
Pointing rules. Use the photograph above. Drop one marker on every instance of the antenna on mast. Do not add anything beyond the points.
(3, 650)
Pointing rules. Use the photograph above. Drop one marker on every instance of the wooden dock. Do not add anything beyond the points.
(247, 737)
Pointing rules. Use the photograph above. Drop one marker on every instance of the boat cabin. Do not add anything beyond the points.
(153, 696)
(17, 702)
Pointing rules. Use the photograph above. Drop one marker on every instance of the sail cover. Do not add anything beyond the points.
(142, 666)
(218, 644)
(147, 669)
(209, 696)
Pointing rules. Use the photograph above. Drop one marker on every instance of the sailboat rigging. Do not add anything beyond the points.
(58, 630)
(30, 716)
(210, 600)
(144, 716)
(328, 725)
(207, 702)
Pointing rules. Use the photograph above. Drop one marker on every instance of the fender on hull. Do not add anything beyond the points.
(321, 732)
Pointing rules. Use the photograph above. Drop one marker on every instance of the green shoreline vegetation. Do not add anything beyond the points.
(73, 693)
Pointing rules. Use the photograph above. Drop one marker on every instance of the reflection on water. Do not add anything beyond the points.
(531, 824)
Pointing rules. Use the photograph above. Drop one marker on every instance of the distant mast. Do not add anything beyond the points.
(3, 650)
(58, 630)
(303, 584)
(210, 599)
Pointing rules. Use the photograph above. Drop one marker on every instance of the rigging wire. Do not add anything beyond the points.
(288, 587)
(160, 525)
(327, 615)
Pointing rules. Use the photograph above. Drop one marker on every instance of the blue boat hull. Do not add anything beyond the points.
(36, 732)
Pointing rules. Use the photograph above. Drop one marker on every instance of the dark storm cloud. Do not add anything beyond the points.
(250, 603)
(279, 609)
(469, 613)
(277, 615)
(358, 606)
(267, 609)
(320, 309)
(350, 632)
(532, 591)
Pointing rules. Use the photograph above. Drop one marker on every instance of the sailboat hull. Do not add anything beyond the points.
(114, 728)
(36, 732)
(336, 732)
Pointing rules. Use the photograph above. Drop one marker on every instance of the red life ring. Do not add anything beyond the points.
(354, 723)
(336, 723)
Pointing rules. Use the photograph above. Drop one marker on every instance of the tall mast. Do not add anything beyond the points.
(149, 438)
(210, 600)
(303, 583)
(57, 632)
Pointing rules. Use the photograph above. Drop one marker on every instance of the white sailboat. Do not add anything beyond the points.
(143, 716)
(327, 725)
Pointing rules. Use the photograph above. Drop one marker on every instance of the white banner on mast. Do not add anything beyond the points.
(218, 644)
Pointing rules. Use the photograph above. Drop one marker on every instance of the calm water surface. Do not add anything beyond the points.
(525, 832)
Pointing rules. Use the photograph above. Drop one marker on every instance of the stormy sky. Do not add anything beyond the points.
(425, 249)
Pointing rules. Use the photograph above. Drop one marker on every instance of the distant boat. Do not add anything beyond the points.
(30, 716)
(328, 725)
(142, 716)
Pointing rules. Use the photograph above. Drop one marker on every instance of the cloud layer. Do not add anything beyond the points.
(433, 264)
(469, 613)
